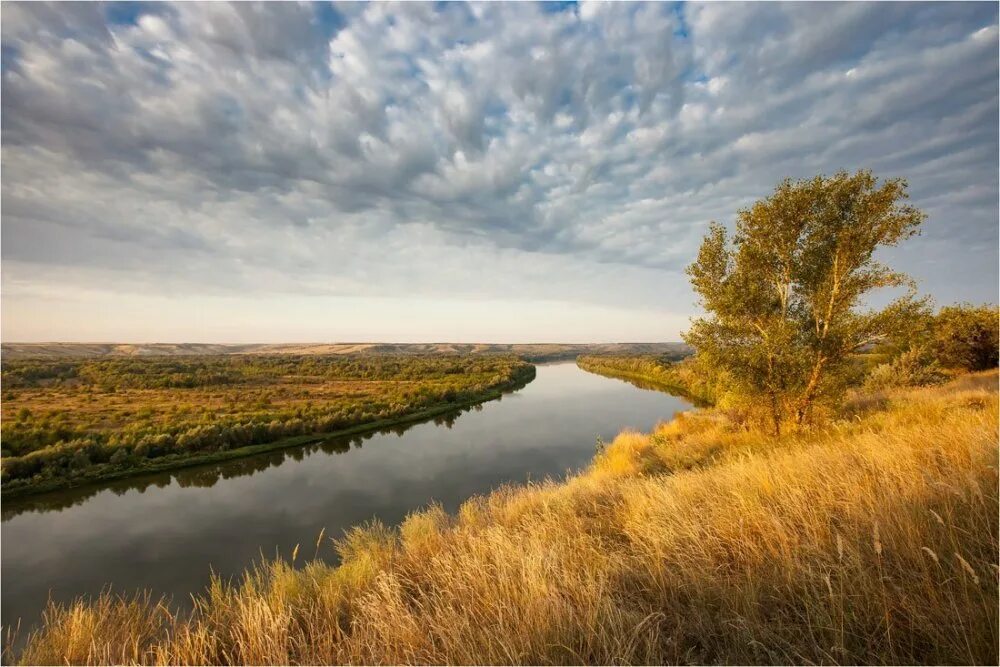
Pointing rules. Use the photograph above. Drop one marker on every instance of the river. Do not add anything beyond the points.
(167, 532)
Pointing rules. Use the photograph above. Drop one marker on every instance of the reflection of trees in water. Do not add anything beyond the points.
(209, 474)
(447, 420)
(662, 388)
(198, 479)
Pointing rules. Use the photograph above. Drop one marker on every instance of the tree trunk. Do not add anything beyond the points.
(775, 415)
(809, 395)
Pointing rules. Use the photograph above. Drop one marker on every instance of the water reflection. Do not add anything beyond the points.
(649, 385)
(209, 474)
(167, 532)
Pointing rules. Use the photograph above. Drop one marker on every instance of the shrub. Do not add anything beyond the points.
(966, 337)
(120, 456)
(79, 460)
(914, 368)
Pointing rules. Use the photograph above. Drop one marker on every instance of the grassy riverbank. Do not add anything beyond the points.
(873, 540)
(69, 423)
(678, 377)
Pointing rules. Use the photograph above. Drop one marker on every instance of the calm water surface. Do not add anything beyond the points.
(168, 532)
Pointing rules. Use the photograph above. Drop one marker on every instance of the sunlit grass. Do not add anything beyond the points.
(871, 541)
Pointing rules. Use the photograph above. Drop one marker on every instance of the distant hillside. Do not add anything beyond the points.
(532, 352)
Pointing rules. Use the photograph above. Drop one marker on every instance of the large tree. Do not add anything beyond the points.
(783, 296)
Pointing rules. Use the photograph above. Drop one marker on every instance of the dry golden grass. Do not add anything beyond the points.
(871, 541)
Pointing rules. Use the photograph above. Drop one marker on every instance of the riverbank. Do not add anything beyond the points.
(871, 541)
(95, 474)
(677, 377)
(167, 532)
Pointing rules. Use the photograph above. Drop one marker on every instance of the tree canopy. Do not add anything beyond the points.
(784, 294)
(966, 337)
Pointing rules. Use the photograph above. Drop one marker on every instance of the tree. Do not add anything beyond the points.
(965, 337)
(783, 295)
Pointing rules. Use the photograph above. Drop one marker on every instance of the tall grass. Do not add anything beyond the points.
(872, 541)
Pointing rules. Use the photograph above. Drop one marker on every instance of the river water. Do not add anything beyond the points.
(167, 532)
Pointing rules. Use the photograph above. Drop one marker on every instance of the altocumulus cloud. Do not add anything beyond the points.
(543, 153)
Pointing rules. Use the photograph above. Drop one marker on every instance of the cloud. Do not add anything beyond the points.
(473, 151)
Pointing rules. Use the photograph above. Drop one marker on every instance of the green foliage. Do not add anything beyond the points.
(117, 373)
(915, 330)
(683, 377)
(783, 294)
(915, 367)
(77, 419)
(965, 337)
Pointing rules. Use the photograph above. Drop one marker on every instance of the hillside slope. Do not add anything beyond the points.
(873, 541)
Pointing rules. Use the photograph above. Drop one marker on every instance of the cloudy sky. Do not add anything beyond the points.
(427, 172)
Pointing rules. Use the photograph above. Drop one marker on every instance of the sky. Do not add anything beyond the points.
(460, 172)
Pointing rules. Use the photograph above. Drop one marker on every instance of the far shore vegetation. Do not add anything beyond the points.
(666, 373)
(72, 421)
